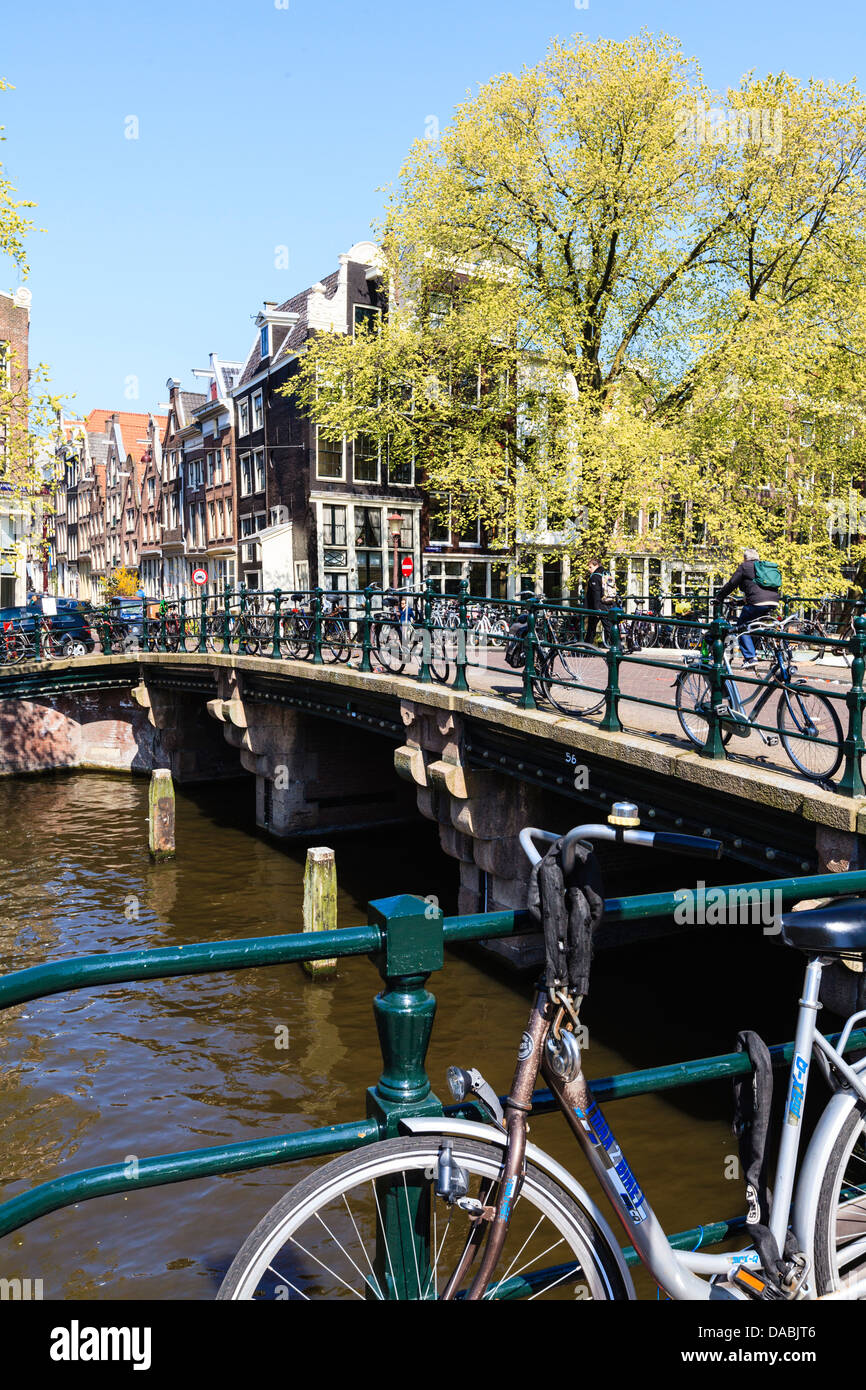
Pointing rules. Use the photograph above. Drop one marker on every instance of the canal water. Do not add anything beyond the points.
(110, 1075)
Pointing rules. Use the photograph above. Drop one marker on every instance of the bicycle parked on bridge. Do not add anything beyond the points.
(459, 1209)
(569, 674)
(806, 721)
(398, 639)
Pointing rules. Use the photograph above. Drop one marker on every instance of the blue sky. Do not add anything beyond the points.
(261, 126)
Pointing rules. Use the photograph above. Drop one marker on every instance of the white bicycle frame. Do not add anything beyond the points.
(677, 1271)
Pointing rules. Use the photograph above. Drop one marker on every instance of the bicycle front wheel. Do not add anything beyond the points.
(810, 732)
(840, 1223)
(388, 642)
(693, 700)
(370, 1226)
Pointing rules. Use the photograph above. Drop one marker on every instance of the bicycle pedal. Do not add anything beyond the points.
(771, 740)
(755, 1286)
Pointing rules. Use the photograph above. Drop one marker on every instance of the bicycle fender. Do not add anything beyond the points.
(814, 1164)
(488, 1134)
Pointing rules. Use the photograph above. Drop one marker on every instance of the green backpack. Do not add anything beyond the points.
(768, 574)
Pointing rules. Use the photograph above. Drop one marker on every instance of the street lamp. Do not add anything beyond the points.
(395, 526)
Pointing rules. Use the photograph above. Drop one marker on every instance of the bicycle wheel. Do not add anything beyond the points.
(216, 631)
(370, 1226)
(441, 646)
(575, 679)
(294, 637)
(335, 639)
(803, 718)
(693, 695)
(191, 634)
(388, 646)
(688, 638)
(840, 1220)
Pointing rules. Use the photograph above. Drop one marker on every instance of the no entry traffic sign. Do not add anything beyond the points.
(199, 576)
(407, 566)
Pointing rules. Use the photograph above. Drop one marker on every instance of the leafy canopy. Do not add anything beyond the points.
(623, 314)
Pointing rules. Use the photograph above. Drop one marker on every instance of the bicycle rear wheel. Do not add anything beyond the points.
(575, 679)
(840, 1221)
(294, 637)
(803, 718)
(370, 1226)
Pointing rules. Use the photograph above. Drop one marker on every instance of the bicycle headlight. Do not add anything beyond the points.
(459, 1083)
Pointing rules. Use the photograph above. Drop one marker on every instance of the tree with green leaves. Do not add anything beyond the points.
(28, 410)
(624, 314)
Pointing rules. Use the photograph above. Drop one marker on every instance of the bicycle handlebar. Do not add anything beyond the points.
(696, 846)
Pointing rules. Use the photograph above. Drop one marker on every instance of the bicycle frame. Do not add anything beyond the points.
(676, 1272)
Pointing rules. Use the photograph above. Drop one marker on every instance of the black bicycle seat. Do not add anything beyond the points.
(839, 927)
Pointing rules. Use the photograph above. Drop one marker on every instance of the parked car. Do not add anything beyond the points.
(68, 632)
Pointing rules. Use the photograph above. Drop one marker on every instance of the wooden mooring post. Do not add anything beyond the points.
(161, 818)
(320, 902)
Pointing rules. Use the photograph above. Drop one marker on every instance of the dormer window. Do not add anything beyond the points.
(265, 341)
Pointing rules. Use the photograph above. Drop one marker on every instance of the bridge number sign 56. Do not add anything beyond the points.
(199, 576)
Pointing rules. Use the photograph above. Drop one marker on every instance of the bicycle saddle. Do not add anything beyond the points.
(839, 927)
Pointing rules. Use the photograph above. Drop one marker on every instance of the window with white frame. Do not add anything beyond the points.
(259, 470)
(265, 341)
(246, 475)
(329, 456)
(244, 416)
(258, 411)
(366, 455)
(401, 463)
(366, 319)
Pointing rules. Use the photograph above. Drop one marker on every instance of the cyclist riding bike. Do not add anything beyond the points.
(760, 582)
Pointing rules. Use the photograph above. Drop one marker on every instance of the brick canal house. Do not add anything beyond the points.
(216, 496)
(179, 430)
(313, 510)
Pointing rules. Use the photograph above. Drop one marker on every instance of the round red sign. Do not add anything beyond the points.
(407, 566)
(199, 576)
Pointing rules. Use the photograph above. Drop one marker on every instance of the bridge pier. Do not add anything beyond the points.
(310, 775)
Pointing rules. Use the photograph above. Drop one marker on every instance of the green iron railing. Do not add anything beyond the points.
(427, 638)
(406, 938)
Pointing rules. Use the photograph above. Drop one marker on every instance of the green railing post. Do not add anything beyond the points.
(227, 620)
(404, 1011)
(611, 720)
(460, 681)
(242, 620)
(202, 636)
(714, 746)
(527, 699)
(163, 630)
(424, 673)
(366, 621)
(318, 659)
(851, 782)
(275, 649)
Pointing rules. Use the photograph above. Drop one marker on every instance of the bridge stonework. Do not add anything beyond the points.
(331, 746)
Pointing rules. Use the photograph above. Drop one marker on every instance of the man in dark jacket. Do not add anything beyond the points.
(760, 602)
(593, 599)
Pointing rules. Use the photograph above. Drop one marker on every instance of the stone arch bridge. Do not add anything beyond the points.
(331, 747)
